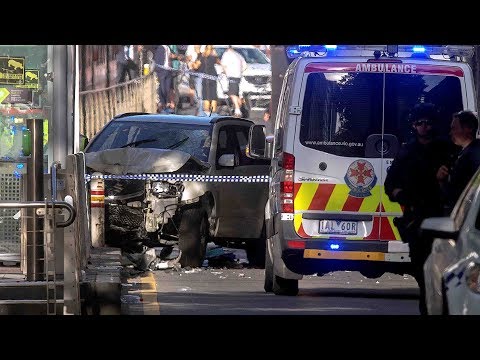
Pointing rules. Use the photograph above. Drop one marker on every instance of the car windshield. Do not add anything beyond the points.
(251, 55)
(192, 139)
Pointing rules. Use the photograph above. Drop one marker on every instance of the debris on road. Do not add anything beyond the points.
(130, 299)
(143, 258)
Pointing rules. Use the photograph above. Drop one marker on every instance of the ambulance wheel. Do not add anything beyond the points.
(444, 300)
(193, 237)
(281, 286)
(256, 250)
(268, 282)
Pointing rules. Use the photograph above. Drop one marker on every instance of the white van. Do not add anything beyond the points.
(341, 119)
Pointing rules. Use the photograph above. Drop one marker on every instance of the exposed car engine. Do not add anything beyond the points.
(162, 199)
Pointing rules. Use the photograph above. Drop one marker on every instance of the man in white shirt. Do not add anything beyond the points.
(234, 65)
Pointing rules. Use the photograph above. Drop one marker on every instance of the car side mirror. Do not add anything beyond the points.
(227, 160)
(257, 143)
(440, 228)
(83, 142)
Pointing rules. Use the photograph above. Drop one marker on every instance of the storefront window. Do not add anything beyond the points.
(25, 93)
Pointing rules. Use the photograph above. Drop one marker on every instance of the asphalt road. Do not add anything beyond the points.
(236, 289)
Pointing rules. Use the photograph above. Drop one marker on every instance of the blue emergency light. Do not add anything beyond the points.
(334, 246)
(295, 51)
(418, 49)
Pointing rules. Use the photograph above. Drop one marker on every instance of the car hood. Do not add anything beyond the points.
(258, 69)
(143, 161)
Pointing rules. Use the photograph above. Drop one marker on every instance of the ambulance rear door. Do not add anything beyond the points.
(353, 121)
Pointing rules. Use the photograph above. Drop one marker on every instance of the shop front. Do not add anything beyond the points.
(36, 82)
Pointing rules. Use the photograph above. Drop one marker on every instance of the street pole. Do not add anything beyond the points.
(34, 248)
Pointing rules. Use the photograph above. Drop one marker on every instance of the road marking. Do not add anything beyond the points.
(148, 295)
(141, 296)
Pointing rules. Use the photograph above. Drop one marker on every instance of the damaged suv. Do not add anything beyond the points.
(181, 180)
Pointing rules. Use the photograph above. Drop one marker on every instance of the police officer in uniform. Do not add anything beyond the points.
(454, 179)
(411, 181)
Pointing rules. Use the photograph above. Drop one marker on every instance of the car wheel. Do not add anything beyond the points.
(256, 250)
(281, 286)
(268, 282)
(193, 237)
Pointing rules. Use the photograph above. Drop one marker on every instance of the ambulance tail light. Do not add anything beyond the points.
(286, 186)
(288, 161)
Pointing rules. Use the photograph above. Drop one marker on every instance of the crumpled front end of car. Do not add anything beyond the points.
(145, 190)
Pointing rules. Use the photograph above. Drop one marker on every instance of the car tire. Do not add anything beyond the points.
(193, 237)
(281, 286)
(268, 281)
(256, 250)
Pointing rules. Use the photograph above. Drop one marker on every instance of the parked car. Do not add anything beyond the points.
(453, 266)
(255, 86)
(194, 183)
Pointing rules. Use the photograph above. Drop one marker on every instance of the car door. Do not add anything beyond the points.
(242, 185)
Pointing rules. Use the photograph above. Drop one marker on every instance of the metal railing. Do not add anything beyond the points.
(97, 107)
(41, 204)
(41, 256)
(48, 210)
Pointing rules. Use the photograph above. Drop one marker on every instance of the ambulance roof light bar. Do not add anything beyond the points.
(449, 51)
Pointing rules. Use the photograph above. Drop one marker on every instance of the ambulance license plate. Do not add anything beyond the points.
(338, 227)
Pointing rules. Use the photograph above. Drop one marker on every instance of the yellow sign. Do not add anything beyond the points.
(3, 94)
(32, 79)
(12, 70)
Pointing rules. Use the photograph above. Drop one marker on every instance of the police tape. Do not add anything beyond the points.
(182, 177)
(194, 73)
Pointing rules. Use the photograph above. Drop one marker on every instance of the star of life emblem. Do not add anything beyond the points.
(360, 178)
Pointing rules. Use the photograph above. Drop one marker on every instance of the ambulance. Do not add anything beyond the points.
(343, 115)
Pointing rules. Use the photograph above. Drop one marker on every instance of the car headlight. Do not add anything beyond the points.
(160, 187)
(472, 273)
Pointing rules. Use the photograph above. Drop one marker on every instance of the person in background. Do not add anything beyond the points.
(463, 131)
(266, 114)
(411, 181)
(208, 59)
(193, 55)
(175, 62)
(265, 49)
(234, 65)
(126, 65)
(182, 50)
(161, 57)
